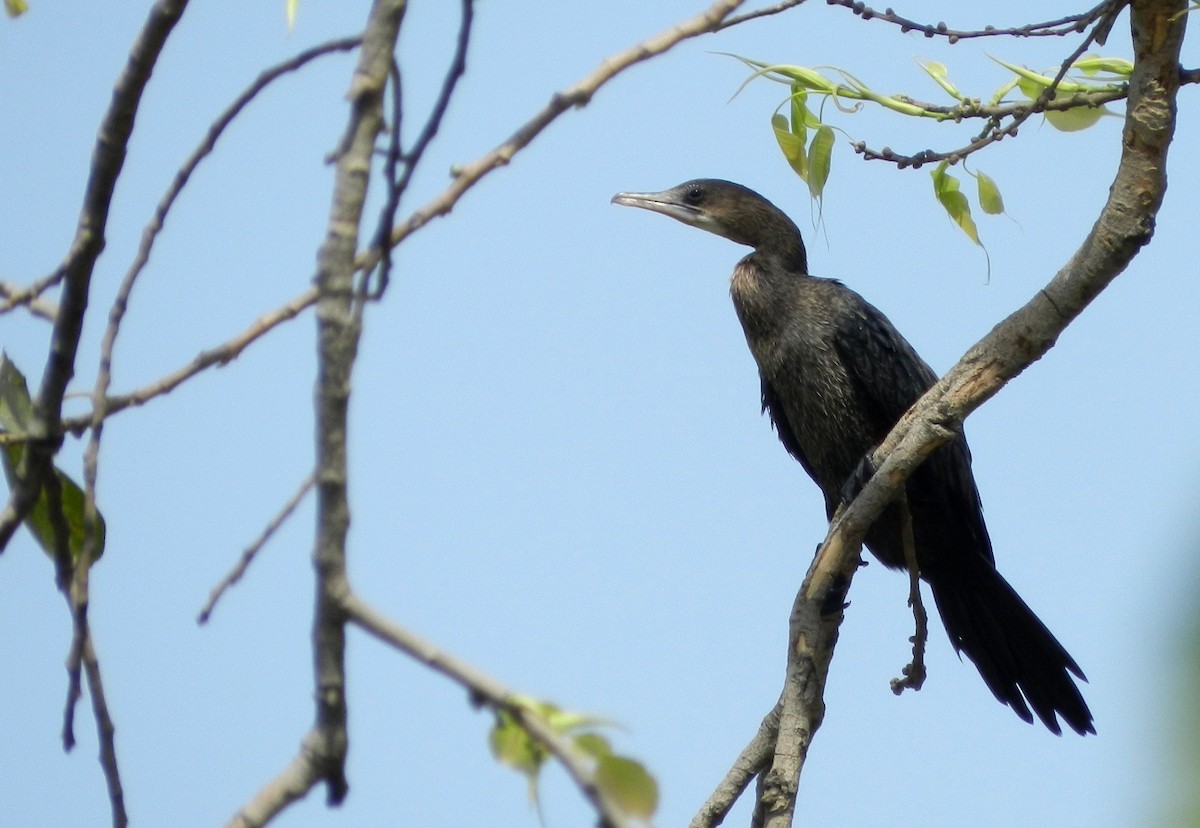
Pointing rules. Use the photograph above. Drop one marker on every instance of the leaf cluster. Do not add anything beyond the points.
(623, 781)
(16, 418)
(806, 141)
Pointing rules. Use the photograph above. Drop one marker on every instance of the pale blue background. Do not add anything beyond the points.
(559, 468)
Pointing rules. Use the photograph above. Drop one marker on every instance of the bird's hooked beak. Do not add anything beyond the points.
(666, 203)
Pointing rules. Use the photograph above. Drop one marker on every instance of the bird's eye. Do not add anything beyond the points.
(694, 195)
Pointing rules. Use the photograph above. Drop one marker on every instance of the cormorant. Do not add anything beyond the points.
(836, 377)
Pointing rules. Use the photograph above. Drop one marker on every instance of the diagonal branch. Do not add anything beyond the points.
(487, 690)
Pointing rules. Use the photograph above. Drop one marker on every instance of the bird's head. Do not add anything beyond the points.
(727, 209)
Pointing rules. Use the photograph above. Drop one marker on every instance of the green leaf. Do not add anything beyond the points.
(290, 11)
(791, 145)
(1092, 65)
(1075, 118)
(594, 745)
(989, 194)
(629, 785)
(800, 113)
(940, 75)
(15, 8)
(514, 746)
(945, 188)
(1044, 81)
(819, 155)
(16, 416)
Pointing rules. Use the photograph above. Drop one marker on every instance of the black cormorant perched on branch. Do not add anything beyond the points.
(836, 377)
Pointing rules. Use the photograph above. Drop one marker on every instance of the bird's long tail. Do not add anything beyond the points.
(1020, 660)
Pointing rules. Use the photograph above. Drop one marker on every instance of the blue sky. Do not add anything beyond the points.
(560, 472)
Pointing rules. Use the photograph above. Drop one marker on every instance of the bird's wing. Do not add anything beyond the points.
(887, 374)
(772, 404)
(889, 377)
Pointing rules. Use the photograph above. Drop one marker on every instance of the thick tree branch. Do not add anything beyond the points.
(1125, 224)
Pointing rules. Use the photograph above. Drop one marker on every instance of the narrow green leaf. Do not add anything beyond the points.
(16, 416)
(819, 155)
(15, 8)
(989, 194)
(800, 113)
(1004, 90)
(1075, 118)
(291, 13)
(1092, 65)
(791, 145)
(941, 76)
(629, 785)
(1043, 81)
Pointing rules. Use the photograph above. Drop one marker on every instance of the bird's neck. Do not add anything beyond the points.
(763, 284)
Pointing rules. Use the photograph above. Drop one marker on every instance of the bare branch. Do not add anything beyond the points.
(251, 551)
(397, 185)
(15, 296)
(323, 754)
(105, 733)
(220, 355)
(766, 11)
(1052, 28)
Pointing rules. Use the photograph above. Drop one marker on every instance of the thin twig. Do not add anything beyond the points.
(105, 734)
(738, 19)
(398, 185)
(251, 551)
(76, 270)
(1052, 28)
(486, 690)
(222, 354)
(14, 296)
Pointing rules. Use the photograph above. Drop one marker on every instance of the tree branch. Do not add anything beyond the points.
(488, 691)
(252, 550)
(1051, 28)
(323, 754)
